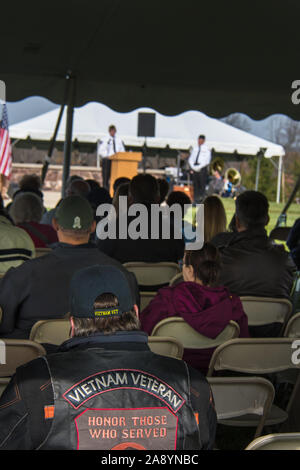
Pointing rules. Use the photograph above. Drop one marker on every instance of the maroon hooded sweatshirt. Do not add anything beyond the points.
(206, 309)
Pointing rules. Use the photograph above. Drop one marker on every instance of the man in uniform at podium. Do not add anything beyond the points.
(107, 147)
(199, 160)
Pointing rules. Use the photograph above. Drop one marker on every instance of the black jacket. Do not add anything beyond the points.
(293, 242)
(252, 265)
(39, 288)
(148, 249)
(26, 406)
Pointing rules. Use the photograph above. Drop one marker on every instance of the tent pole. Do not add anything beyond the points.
(289, 202)
(53, 140)
(68, 134)
(52, 143)
(279, 177)
(259, 156)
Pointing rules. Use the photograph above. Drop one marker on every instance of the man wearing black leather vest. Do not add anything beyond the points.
(104, 389)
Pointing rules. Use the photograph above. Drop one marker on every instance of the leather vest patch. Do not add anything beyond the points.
(126, 379)
(126, 429)
(143, 403)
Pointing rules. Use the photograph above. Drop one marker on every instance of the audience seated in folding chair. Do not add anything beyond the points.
(251, 264)
(143, 189)
(38, 289)
(16, 246)
(26, 211)
(200, 301)
(106, 352)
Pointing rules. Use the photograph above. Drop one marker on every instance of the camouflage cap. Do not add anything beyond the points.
(74, 213)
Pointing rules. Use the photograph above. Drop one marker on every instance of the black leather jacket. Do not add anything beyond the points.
(252, 265)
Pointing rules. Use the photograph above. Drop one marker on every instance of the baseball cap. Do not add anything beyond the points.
(88, 283)
(74, 212)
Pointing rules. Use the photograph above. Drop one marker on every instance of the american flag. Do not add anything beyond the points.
(5, 145)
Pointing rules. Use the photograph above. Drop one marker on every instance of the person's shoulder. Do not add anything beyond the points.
(17, 236)
(32, 369)
(47, 229)
(22, 272)
(103, 258)
(223, 239)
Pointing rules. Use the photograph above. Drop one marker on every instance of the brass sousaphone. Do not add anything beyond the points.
(217, 165)
(233, 175)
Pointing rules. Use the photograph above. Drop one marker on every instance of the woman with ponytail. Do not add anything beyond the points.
(200, 301)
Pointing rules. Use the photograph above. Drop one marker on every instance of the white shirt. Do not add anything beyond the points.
(109, 146)
(204, 157)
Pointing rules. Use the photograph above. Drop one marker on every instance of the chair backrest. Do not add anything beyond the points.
(166, 346)
(145, 298)
(57, 331)
(286, 441)
(176, 279)
(280, 233)
(292, 329)
(265, 310)
(50, 331)
(253, 356)
(42, 252)
(152, 275)
(190, 338)
(3, 384)
(17, 353)
(239, 396)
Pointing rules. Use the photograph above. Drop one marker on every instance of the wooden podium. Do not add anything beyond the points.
(123, 164)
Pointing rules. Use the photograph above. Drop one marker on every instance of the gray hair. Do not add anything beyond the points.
(26, 207)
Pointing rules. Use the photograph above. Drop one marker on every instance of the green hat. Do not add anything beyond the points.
(74, 213)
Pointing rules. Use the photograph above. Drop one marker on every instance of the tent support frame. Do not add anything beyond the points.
(53, 140)
(279, 179)
(259, 157)
(71, 94)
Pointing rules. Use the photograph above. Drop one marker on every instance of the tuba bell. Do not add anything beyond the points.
(233, 175)
(217, 165)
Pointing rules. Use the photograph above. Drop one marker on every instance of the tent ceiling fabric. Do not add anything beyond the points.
(217, 57)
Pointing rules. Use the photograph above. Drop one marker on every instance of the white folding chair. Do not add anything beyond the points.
(18, 352)
(50, 331)
(256, 356)
(266, 310)
(166, 346)
(190, 338)
(280, 441)
(152, 276)
(240, 399)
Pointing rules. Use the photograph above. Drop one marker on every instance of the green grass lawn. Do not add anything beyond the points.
(275, 209)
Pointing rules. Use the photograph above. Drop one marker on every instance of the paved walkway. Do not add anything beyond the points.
(51, 198)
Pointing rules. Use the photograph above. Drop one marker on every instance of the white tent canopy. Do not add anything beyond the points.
(178, 132)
